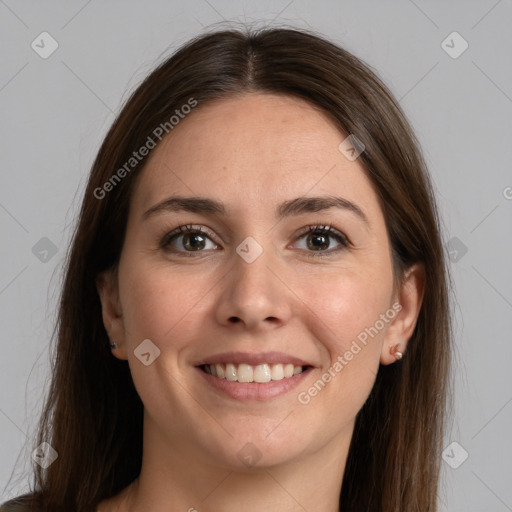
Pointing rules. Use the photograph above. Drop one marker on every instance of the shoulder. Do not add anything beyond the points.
(19, 504)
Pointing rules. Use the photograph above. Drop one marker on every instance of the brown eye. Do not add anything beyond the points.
(187, 239)
(319, 239)
(193, 241)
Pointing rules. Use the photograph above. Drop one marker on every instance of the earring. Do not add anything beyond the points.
(113, 346)
(394, 352)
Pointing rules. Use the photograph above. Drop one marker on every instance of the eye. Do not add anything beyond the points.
(318, 239)
(188, 239)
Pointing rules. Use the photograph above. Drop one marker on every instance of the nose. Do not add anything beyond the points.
(254, 295)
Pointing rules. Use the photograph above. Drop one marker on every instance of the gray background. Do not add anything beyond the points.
(55, 112)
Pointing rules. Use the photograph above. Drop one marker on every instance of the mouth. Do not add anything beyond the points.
(247, 373)
(245, 376)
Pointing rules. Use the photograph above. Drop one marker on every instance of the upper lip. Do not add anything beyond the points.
(253, 358)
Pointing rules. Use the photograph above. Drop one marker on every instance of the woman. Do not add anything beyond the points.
(255, 310)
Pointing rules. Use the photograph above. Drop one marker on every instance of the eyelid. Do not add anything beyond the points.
(326, 229)
(187, 228)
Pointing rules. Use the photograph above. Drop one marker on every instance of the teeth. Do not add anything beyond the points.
(262, 373)
(247, 373)
(231, 372)
(219, 371)
(288, 370)
(277, 372)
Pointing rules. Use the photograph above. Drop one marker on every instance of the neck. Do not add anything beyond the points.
(178, 478)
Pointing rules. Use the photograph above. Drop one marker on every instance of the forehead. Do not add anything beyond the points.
(257, 149)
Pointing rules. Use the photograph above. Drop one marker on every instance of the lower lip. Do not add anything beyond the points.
(254, 390)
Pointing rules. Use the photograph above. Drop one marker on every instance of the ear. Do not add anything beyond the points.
(407, 302)
(108, 291)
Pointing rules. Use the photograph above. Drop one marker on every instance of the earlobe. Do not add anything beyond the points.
(107, 287)
(410, 297)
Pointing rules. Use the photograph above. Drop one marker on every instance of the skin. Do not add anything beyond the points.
(252, 152)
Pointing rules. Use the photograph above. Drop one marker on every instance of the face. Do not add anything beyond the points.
(254, 277)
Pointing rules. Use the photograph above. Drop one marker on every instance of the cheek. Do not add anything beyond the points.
(157, 302)
(344, 314)
(160, 304)
(345, 305)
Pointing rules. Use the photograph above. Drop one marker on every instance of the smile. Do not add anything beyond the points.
(260, 373)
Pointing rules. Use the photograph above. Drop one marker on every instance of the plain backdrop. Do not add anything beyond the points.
(56, 110)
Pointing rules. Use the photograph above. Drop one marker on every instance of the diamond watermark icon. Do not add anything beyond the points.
(146, 352)
(454, 45)
(44, 455)
(456, 249)
(249, 454)
(44, 45)
(351, 147)
(249, 249)
(44, 250)
(454, 455)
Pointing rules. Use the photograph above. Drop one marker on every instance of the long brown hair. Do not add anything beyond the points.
(93, 416)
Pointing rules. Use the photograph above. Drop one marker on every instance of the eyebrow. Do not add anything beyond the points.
(296, 206)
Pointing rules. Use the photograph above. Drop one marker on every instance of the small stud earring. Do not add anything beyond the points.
(394, 352)
(113, 346)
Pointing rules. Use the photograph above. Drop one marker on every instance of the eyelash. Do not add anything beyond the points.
(316, 229)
